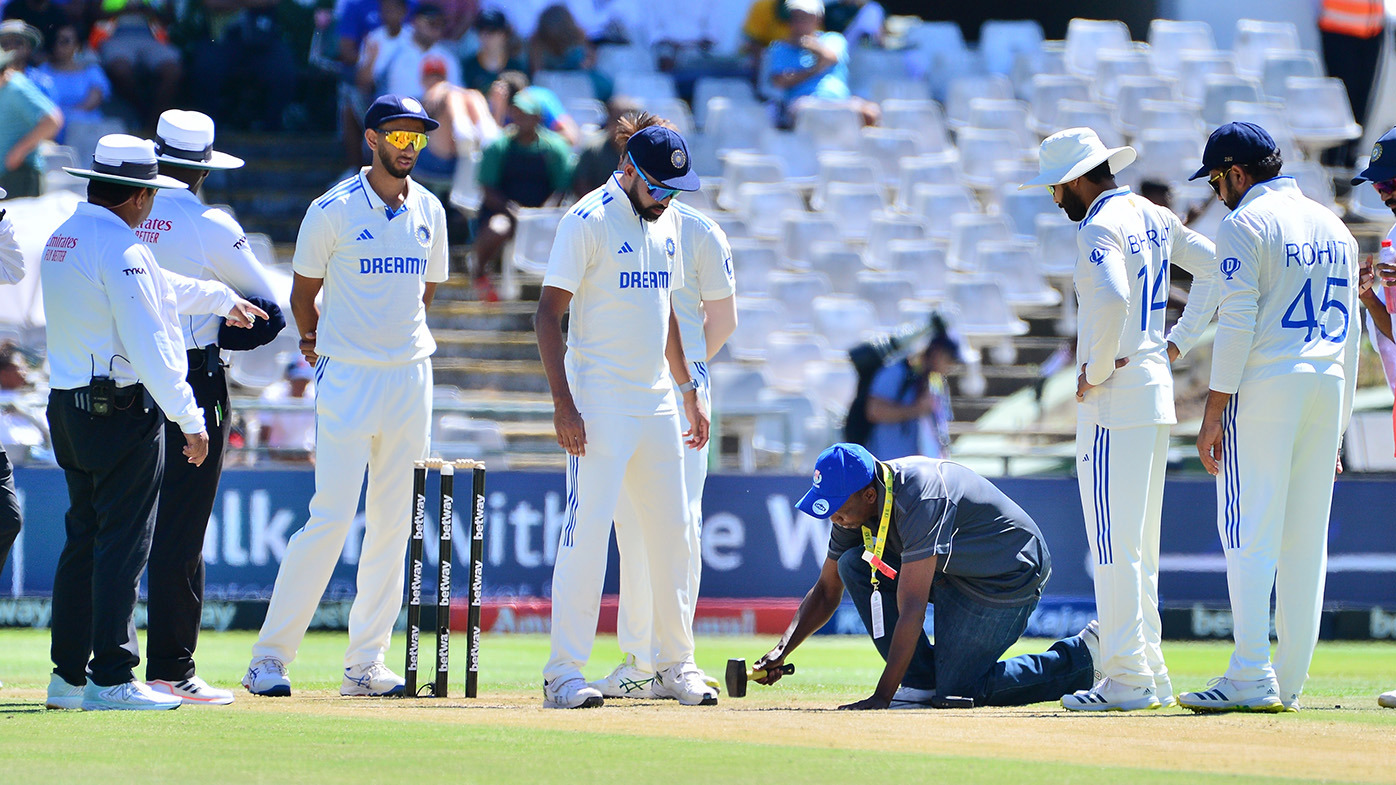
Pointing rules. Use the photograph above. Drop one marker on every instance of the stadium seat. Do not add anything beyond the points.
(567, 84)
(1221, 88)
(262, 248)
(1090, 114)
(1195, 67)
(966, 88)
(898, 88)
(1254, 37)
(925, 262)
(708, 87)
(704, 199)
(533, 238)
(740, 168)
(1014, 266)
(586, 111)
(1169, 39)
(924, 118)
(885, 290)
(967, 232)
(1272, 117)
(459, 434)
(1169, 156)
(839, 263)
(644, 86)
(615, 59)
(801, 230)
(1087, 38)
(796, 291)
(1319, 113)
(886, 227)
(831, 384)
(1002, 42)
(830, 125)
(735, 124)
(1021, 208)
(736, 384)
(1048, 91)
(757, 317)
(765, 203)
(1132, 91)
(938, 52)
(1316, 183)
(1280, 66)
(1050, 60)
(983, 310)
(835, 167)
(732, 224)
(672, 109)
(1170, 116)
(1056, 245)
(936, 204)
(787, 351)
(981, 149)
(925, 170)
(843, 320)
(852, 207)
(1114, 65)
(867, 66)
(797, 152)
(802, 427)
(1005, 114)
(82, 137)
(886, 148)
(751, 261)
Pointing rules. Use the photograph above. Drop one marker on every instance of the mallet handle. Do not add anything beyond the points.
(785, 670)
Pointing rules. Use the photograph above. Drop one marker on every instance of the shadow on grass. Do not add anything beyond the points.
(22, 708)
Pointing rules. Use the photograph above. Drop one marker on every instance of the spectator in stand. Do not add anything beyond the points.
(499, 51)
(767, 21)
(810, 64)
(466, 125)
(27, 117)
(42, 15)
(527, 166)
(858, 21)
(76, 84)
(244, 49)
(145, 70)
(22, 39)
(380, 45)
(522, 14)
(597, 159)
(401, 69)
(614, 21)
(354, 20)
(909, 402)
(289, 436)
(555, 116)
(558, 44)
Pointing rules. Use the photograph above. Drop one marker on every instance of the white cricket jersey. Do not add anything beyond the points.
(11, 256)
(1126, 247)
(707, 275)
(1288, 290)
(1386, 349)
(206, 243)
(113, 312)
(375, 269)
(620, 270)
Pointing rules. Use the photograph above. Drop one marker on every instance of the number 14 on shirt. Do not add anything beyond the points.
(1151, 296)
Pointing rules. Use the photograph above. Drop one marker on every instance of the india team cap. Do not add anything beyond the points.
(1235, 143)
(1066, 155)
(184, 138)
(128, 160)
(397, 107)
(839, 472)
(663, 155)
(1382, 165)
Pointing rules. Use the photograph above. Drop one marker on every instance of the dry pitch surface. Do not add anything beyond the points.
(784, 731)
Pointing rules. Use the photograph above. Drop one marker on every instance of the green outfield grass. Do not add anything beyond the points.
(777, 734)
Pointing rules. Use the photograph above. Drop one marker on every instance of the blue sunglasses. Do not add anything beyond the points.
(656, 193)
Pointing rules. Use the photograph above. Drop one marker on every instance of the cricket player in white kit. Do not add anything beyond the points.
(1284, 369)
(1126, 247)
(615, 262)
(706, 308)
(376, 243)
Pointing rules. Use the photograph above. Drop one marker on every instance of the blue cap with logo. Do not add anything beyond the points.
(1382, 165)
(397, 107)
(840, 472)
(1235, 143)
(663, 156)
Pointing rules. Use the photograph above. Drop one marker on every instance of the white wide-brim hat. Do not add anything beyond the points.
(185, 138)
(128, 160)
(1066, 155)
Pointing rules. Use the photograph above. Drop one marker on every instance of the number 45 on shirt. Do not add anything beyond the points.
(1303, 306)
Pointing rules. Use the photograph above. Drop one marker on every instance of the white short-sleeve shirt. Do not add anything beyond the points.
(620, 270)
(375, 268)
(707, 275)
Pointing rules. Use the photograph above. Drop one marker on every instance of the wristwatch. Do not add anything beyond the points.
(691, 384)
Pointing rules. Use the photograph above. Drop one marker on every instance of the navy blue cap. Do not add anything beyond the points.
(1235, 143)
(839, 472)
(1382, 165)
(261, 333)
(397, 107)
(663, 155)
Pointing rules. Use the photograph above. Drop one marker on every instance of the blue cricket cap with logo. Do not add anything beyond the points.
(663, 156)
(1382, 165)
(839, 472)
(1235, 143)
(397, 107)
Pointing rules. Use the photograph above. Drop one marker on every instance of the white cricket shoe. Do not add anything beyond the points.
(62, 695)
(1163, 688)
(571, 692)
(684, 683)
(911, 698)
(1387, 700)
(266, 676)
(1110, 695)
(131, 696)
(371, 680)
(194, 691)
(1223, 694)
(1291, 703)
(1091, 637)
(626, 681)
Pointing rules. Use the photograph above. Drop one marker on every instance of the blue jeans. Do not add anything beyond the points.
(971, 635)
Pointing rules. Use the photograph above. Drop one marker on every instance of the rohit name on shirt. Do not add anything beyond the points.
(1329, 252)
(644, 279)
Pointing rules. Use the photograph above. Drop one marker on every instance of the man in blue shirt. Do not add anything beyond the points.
(809, 64)
(909, 403)
(27, 117)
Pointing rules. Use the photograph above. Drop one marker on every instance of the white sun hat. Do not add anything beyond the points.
(1066, 155)
(185, 138)
(128, 160)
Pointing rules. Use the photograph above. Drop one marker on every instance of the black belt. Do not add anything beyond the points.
(207, 358)
(124, 398)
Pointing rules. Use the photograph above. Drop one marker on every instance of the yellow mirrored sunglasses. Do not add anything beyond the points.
(404, 139)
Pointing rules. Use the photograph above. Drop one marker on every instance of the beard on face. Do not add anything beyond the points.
(387, 155)
(650, 213)
(1072, 204)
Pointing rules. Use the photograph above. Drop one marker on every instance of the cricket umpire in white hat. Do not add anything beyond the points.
(206, 243)
(117, 372)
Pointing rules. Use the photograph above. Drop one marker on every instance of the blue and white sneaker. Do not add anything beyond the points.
(266, 676)
(1223, 694)
(571, 692)
(194, 691)
(370, 680)
(626, 681)
(131, 696)
(62, 695)
(1110, 695)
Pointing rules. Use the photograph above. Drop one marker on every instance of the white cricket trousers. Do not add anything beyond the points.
(634, 624)
(641, 459)
(1279, 444)
(1120, 473)
(372, 417)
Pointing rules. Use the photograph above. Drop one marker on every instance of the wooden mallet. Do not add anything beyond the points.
(738, 676)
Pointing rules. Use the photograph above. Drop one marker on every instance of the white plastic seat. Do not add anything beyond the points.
(983, 310)
(843, 320)
(837, 167)
(897, 88)
(869, 65)
(1050, 60)
(968, 231)
(1170, 156)
(1087, 38)
(1170, 116)
(1021, 208)
(925, 170)
(1168, 39)
(884, 290)
(1133, 90)
(757, 317)
(1009, 115)
(981, 148)
(1013, 265)
(672, 109)
(797, 153)
(839, 263)
(617, 58)
(1315, 182)
(708, 87)
(796, 291)
(533, 238)
(852, 207)
(832, 384)
(1221, 88)
(567, 84)
(733, 225)
(1281, 66)
(586, 111)
(1002, 41)
(938, 51)
(1114, 65)
(736, 385)
(1056, 245)
(787, 351)
(886, 148)
(966, 88)
(751, 261)
(735, 123)
(830, 125)
(741, 168)
(1195, 67)
(1319, 113)
(802, 426)
(924, 118)
(801, 230)
(1048, 91)
(1272, 117)
(1254, 37)
(765, 203)
(1091, 114)
(925, 262)
(644, 85)
(884, 229)
(937, 204)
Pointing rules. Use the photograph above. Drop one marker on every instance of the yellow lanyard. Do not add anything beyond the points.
(877, 545)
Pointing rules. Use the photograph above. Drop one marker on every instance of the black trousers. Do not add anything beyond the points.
(175, 579)
(113, 467)
(1355, 61)
(9, 508)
